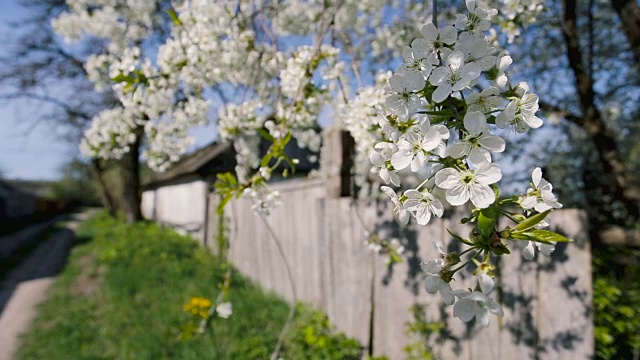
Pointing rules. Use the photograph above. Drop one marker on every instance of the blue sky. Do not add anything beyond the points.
(27, 150)
(31, 150)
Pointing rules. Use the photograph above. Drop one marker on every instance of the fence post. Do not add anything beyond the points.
(337, 161)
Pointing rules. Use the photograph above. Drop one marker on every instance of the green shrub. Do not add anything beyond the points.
(616, 300)
(423, 333)
(313, 337)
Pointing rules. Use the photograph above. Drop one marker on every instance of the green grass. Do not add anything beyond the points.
(121, 297)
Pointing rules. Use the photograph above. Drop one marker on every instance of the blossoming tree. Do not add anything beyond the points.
(271, 69)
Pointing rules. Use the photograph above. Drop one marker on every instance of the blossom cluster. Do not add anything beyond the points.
(207, 48)
(515, 14)
(446, 106)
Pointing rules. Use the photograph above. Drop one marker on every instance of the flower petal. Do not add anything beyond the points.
(430, 32)
(458, 195)
(492, 143)
(433, 266)
(447, 178)
(447, 293)
(482, 317)
(464, 310)
(536, 176)
(442, 93)
(448, 35)
(432, 283)
(401, 160)
(459, 149)
(486, 283)
(475, 122)
(481, 195)
(488, 174)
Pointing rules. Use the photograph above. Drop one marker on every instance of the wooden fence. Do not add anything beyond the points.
(547, 301)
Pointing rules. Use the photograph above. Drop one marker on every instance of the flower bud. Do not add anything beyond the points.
(452, 258)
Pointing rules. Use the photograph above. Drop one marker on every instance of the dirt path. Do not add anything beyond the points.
(10, 244)
(27, 285)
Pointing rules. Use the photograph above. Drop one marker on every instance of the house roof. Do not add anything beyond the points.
(220, 157)
(210, 159)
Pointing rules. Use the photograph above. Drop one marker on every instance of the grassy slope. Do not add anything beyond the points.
(121, 297)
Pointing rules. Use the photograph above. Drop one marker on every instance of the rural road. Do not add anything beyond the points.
(27, 284)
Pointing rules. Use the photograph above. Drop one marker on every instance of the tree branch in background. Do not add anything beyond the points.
(629, 12)
(618, 178)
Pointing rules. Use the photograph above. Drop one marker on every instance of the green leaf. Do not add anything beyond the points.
(123, 78)
(500, 249)
(265, 160)
(487, 221)
(548, 236)
(459, 238)
(532, 221)
(265, 134)
(174, 17)
(223, 202)
(542, 236)
(286, 139)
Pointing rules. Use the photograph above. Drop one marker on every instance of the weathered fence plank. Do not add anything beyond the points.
(547, 302)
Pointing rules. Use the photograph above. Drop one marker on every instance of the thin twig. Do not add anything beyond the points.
(224, 255)
(205, 321)
(434, 12)
(590, 53)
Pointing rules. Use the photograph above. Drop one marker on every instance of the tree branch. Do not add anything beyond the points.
(613, 166)
(48, 99)
(629, 13)
(571, 117)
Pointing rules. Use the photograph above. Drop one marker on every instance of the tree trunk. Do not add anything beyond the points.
(131, 196)
(616, 175)
(629, 12)
(105, 195)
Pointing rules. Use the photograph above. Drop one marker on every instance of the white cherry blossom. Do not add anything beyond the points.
(477, 51)
(499, 70)
(437, 39)
(418, 59)
(527, 248)
(434, 283)
(540, 196)
(379, 157)
(521, 114)
(478, 141)
(486, 282)
(477, 21)
(422, 205)
(475, 304)
(455, 75)
(485, 101)
(264, 201)
(414, 147)
(399, 208)
(465, 185)
(404, 102)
